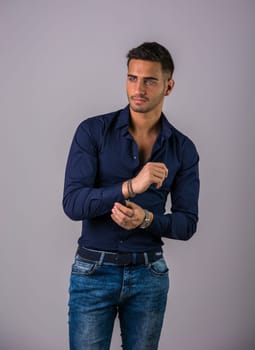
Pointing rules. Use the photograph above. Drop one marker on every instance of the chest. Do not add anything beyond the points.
(144, 145)
(121, 157)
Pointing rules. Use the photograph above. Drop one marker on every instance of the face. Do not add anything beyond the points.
(147, 85)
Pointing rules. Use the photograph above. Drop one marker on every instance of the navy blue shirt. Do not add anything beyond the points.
(102, 156)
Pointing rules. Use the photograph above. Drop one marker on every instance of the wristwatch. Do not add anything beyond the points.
(146, 222)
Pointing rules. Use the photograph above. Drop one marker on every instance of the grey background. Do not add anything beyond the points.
(62, 61)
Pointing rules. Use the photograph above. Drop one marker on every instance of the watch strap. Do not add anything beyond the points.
(147, 220)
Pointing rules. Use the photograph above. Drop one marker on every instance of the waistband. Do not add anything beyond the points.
(119, 258)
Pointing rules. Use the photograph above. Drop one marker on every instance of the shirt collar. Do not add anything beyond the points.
(123, 118)
(123, 122)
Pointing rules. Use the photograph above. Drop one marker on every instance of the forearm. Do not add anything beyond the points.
(178, 225)
(81, 202)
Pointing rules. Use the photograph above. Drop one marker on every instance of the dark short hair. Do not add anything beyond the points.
(152, 51)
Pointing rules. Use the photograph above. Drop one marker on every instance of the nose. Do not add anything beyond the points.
(140, 86)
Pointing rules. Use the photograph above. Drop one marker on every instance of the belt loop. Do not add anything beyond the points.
(101, 258)
(134, 258)
(146, 260)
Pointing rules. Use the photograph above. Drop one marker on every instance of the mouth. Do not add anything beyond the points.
(137, 99)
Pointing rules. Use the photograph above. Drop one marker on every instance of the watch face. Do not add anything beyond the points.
(146, 221)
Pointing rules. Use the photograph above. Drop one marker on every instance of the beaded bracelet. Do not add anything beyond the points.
(131, 193)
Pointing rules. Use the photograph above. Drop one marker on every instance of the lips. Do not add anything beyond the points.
(138, 99)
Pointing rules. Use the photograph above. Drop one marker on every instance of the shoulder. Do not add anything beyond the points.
(96, 126)
(169, 130)
(184, 146)
(98, 122)
(182, 138)
(93, 130)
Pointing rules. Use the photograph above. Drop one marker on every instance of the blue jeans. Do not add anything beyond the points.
(98, 292)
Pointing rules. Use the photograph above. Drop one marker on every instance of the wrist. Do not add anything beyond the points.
(130, 190)
(148, 217)
(125, 190)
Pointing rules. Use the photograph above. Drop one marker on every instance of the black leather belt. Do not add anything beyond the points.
(120, 258)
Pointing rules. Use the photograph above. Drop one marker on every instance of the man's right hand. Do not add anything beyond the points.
(152, 173)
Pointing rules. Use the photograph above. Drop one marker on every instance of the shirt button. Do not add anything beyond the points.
(134, 157)
(121, 241)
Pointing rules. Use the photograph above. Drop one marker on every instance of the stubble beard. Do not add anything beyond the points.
(148, 108)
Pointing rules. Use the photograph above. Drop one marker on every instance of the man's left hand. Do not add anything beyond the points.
(129, 216)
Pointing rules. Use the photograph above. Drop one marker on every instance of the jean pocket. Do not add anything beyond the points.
(83, 267)
(159, 267)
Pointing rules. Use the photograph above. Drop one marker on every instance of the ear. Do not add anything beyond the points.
(170, 85)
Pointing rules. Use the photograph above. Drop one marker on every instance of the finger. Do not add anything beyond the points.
(114, 218)
(158, 171)
(159, 178)
(131, 215)
(157, 181)
(118, 214)
(126, 226)
(163, 171)
(138, 213)
(131, 205)
(124, 209)
(121, 217)
(158, 185)
(119, 222)
(156, 165)
(122, 220)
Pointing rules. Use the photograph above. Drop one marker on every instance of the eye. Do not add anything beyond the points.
(131, 78)
(150, 82)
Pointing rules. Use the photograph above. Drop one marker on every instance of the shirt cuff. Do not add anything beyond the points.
(113, 194)
(161, 224)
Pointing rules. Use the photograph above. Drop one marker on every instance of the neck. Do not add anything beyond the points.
(144, 123)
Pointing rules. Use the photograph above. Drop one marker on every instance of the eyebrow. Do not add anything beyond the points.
(145, 78)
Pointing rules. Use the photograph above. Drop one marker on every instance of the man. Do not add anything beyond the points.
(120, 170)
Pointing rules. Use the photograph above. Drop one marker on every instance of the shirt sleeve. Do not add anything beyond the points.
(82, 197)
(181, 223)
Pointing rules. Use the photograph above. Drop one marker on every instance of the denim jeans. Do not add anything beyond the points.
(98, 292)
